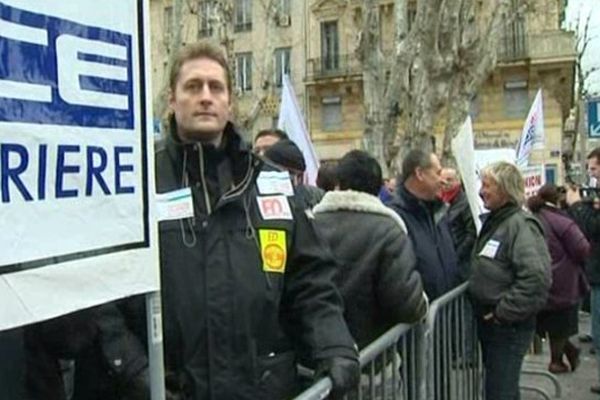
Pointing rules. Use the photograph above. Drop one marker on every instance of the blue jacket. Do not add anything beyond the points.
(429, 230)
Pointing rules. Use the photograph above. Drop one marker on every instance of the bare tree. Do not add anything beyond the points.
(582, 92)
(437, 67)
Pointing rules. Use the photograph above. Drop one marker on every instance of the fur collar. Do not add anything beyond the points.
(356, 201)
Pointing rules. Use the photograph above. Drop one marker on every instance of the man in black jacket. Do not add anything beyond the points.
(247, 286)
(427, 221)
(587, 215)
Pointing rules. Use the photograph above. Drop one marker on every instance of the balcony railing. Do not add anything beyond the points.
(333, 67)
(546, 45)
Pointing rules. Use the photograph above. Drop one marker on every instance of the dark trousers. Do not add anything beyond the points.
(503, 348)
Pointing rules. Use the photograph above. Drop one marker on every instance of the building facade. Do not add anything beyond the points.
(263, 49)
(314, 41)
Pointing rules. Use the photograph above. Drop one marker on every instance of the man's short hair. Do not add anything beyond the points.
(281, 135)
(509, 180)
(202, 49)
(595, 154)
(326, 178)
(357, 170)
(416, 158)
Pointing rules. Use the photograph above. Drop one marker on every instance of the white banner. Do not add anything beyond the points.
(534, 177)
(464, 154)
(532, 136)
(292, 122)
(76, 156)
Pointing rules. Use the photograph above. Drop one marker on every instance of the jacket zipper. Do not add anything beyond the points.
(203, 179)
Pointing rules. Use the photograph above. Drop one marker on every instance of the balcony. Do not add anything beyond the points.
(333, 67)
(550, 45)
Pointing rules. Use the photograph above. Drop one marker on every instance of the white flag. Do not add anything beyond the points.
(464, 154)
(292, 122)
(532, 136)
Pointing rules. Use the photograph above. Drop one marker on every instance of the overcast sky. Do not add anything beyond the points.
(592, 56)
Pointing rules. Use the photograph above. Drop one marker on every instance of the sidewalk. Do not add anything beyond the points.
(575, 386)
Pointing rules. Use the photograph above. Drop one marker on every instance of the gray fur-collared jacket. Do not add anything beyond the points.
(376, 263)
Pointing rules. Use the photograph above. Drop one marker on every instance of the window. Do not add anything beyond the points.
(330, 46)
(551, 173)
(243, 67)
(204, 14)
(516, 99)
(243, 15)
(331, 113)
(282, 64)
(168, 23)
(283, 13)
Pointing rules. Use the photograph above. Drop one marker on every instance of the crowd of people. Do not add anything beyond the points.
(271, 273)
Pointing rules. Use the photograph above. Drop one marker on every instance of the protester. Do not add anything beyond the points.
(243, 281)
(377, 276)
(376, 262)
(427, 222)
(326, 178)
(568, 249)
(510, 279)
(586, 213)
(288, 156)
(267, 138)
(460, 219)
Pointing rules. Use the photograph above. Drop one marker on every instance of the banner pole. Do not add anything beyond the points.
(156, 364)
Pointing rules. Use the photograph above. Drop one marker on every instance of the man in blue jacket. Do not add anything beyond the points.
(427, 222)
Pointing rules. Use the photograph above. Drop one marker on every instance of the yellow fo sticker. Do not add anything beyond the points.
(273, 250)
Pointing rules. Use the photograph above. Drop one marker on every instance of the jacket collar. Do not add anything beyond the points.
(408, 201)
(349, 200)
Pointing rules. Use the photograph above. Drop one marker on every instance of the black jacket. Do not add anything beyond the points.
(376, 263)
(12, 364)
(588, 220)
(244, 291)
(428, 229)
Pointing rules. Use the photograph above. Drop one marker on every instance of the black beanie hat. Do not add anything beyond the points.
(287, 154)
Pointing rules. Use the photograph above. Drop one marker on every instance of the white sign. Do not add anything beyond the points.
(534, 177)
(75, 159)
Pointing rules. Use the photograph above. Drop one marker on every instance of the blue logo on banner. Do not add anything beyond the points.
(58, 72)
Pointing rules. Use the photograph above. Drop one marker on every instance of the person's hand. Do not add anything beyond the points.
(344, 373)
(572, 195)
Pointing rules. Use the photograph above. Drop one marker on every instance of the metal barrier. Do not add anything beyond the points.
(454, 370)
(439, 359)
(408, 361)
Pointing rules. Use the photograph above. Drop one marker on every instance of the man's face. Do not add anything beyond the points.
(264, 142)
(431, 178)
(200, 100)
(449, 180)
(593, 168)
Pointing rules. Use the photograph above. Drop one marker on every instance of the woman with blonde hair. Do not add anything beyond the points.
(510, 279)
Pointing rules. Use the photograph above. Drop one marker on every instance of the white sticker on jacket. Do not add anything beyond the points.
(274, 207)
(275, 182)
(177, 204)
(490, 249)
